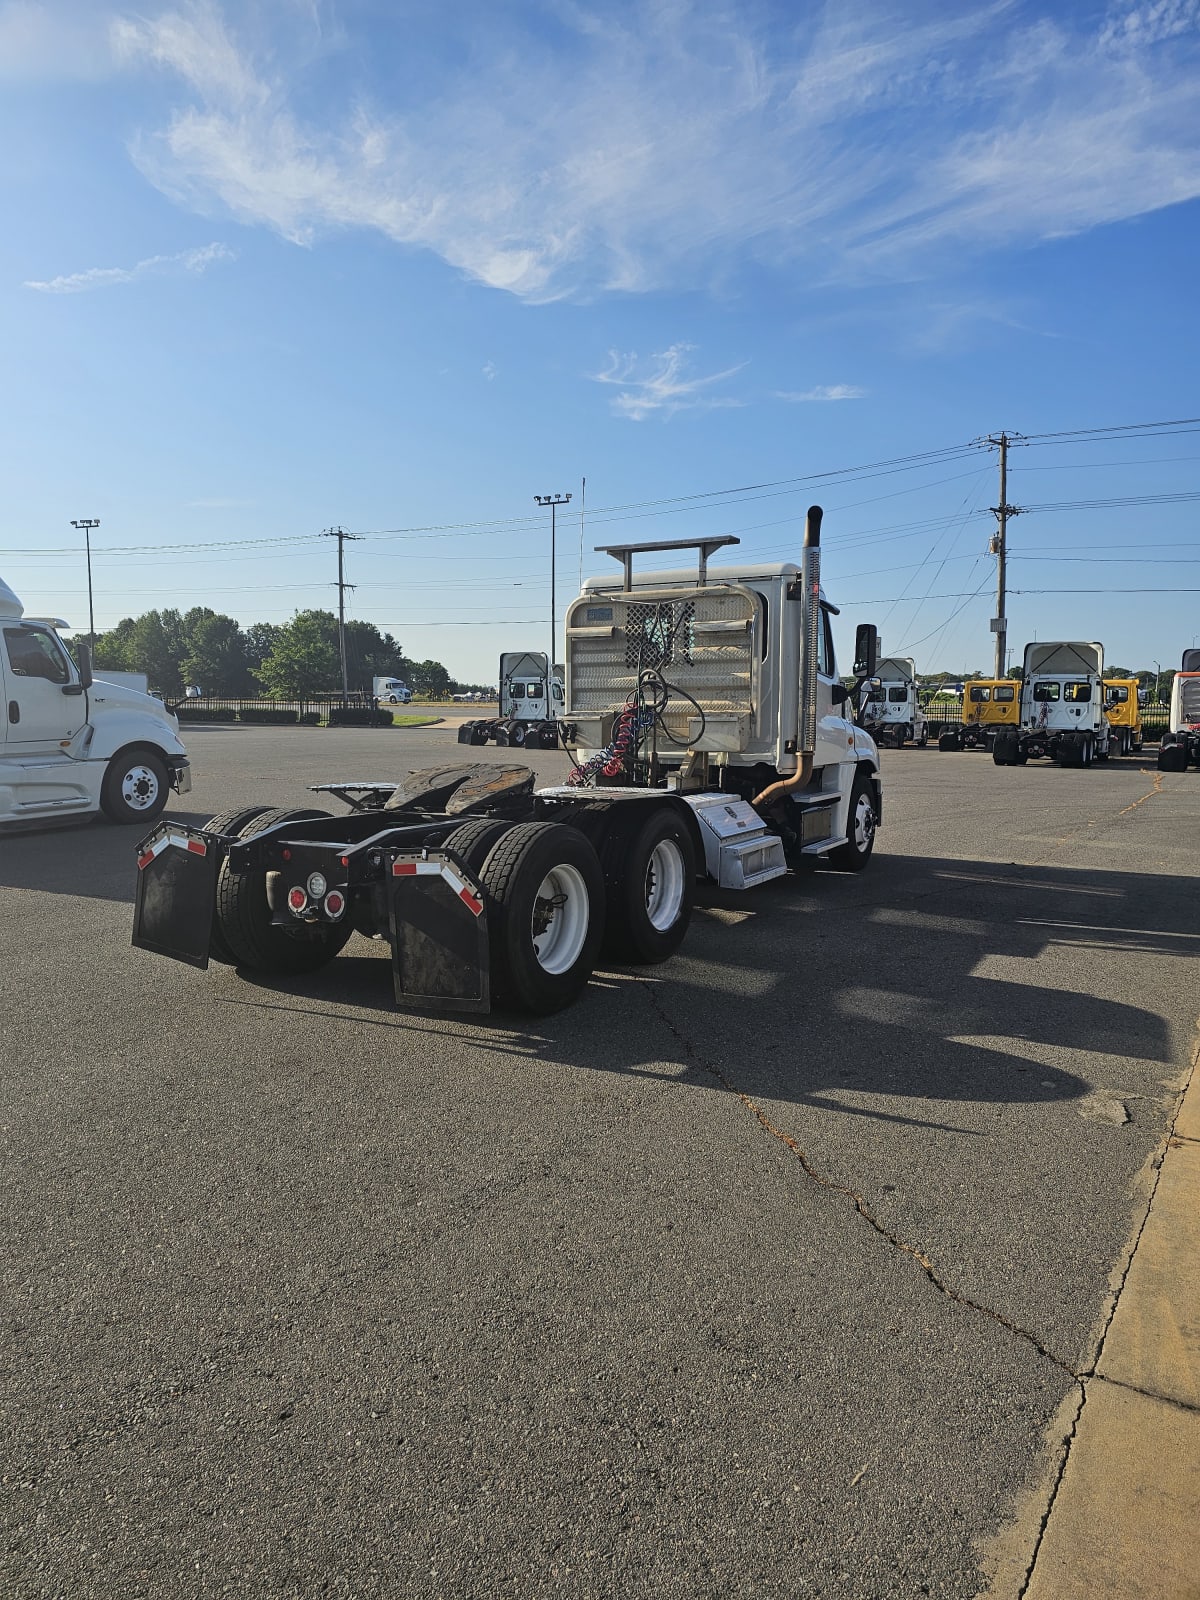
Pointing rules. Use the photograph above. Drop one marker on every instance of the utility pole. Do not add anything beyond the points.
(341, 536)
(999, 548)
(87, 524)
(553, 501)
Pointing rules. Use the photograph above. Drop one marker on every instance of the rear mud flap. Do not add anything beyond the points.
(176, 892)
(439, 933)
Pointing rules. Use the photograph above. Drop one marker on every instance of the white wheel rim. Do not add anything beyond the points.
(139, 788)
(562, 914)
(665, 881)
(864, 822)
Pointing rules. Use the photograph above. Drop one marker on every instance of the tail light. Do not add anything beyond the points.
(297, 900)
(334, 904)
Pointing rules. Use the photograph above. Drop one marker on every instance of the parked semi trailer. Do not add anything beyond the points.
(712, 740)
(1180, 744)
(1061, 708)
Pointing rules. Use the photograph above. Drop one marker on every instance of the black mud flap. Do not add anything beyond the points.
(176, 892)
(439, 933)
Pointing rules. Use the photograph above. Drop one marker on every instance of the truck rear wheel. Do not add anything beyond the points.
(243, 916)
(1005, 747)
(1173, 758)
(545, 911)
(472, 843)
(650, 879)
(950, 741)
(135, 786)
(228, 822)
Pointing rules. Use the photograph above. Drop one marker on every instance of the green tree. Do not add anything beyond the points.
(303, 657)
(216, 656)
(429, 677)
(260, 638)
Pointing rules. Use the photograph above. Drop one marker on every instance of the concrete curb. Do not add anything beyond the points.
(1124, 1514)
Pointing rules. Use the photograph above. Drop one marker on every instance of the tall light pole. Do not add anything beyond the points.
(87, 524)
(1157, 682)
(553, 501)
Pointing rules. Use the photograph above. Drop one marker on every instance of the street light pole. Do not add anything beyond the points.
(553, 501)
(87, 524)
(1157, 682)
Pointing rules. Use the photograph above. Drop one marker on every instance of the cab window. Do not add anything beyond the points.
(1077, 692)
(1005, 693)
(981, 695)
(518, 691)
(826, 663)
(1118, 694)
(34, 653)
(897, 696)
(534, 691)
(1046, 691)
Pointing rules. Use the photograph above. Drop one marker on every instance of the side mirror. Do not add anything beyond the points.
(192, 691)
(840, 694)
(85, 666)
(866, 650)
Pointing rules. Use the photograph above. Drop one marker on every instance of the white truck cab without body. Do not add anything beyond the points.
(1180, 744)
(735, 674)
(1061, 709)
(891, 711)
(526, 716)
(391, 691)
(71, 746)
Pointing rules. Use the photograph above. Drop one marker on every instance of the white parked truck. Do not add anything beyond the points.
(71, 745)
(891, 710)
(391, 691)
(1061, 708)
(1181, 741)
(712, 741)
(525, 715)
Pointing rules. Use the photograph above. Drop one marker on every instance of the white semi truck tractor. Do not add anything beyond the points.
(530, 705)
(1180, 743)
(712, 742)
(72, 745)
(891, 710)
(1061, 708)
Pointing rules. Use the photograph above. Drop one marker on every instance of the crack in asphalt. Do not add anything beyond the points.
(1090, 1374)
(902, 1246)
(1149, 795)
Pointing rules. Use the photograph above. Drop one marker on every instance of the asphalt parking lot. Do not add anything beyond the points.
(762, 1273)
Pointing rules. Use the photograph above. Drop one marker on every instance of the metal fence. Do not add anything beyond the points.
(310, 710)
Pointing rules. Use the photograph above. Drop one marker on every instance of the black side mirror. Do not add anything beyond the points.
(866, 650)
(85, 667)
(840, 694)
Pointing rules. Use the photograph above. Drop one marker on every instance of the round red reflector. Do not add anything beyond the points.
(286, 854)
(297, 899)
(345, 861)
(335, 903)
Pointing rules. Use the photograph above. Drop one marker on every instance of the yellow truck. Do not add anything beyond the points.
(1123, 713)
(987, 704)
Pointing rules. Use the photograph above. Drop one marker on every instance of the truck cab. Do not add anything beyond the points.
(392, 691)
(71, 745)
(1180, 744)
(891, 710)
(1124, 714)
(988, 704)
(1061, 707)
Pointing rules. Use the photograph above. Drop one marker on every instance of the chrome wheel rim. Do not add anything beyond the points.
(562, 913)
(864, 822)
(665, 883)
(139, 788)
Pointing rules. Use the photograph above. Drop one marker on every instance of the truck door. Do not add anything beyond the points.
(835, 729)
(37, 670)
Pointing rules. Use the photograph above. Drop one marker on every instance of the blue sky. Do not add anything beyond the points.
(272, 267)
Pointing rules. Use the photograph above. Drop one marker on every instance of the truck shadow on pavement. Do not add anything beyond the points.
(930, 979)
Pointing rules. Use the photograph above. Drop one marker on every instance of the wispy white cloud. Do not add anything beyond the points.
(196, 261)
(489, 370)
(694, 137)
(823, 391)
(659, 384)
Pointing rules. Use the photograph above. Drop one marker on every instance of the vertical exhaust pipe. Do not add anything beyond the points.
(806, 729)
